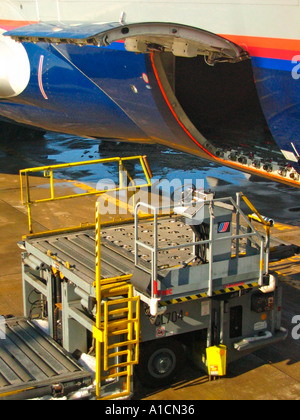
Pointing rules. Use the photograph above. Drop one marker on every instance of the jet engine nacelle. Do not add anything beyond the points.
(14, 68)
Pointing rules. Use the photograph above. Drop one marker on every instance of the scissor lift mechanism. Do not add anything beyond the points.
(156, 284)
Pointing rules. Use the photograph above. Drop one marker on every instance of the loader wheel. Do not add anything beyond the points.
(159, 361)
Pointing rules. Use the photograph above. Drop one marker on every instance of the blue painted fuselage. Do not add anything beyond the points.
(110, 93)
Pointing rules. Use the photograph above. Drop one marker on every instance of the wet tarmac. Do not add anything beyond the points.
(273, 199)
(271, 373)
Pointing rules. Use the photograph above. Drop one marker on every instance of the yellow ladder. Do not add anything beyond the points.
(117, 329)
(117, 338)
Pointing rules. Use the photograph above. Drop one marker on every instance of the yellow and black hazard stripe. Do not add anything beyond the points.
(215, 293)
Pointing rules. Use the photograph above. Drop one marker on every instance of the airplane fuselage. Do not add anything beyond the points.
(161, 83)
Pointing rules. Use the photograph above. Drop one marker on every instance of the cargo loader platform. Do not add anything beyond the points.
(73, 255)
(138, 292)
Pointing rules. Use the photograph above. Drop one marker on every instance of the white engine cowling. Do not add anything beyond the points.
(14, 67)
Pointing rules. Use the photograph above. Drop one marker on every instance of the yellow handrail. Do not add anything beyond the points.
(256, 216)
(48, 172)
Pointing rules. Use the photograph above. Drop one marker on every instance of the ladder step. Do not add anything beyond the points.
(122, 365)
(124, 301)
(120, 288)
(118, 353)
(122, 298)
(118, 311)
(115, 327)
(120, 322)
(122, 325)
(119, 332)
(123, 344)
(115, 280)
(116, 396)
(113, 283)
(114, 375)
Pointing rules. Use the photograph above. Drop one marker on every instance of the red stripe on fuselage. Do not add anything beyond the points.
(277, 48)
(9, 25)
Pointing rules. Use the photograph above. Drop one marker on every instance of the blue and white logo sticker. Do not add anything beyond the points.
(224, 227)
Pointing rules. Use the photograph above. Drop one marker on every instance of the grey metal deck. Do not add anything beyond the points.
(78, 250)
(73, 254)
(117, 248)
(31, 363)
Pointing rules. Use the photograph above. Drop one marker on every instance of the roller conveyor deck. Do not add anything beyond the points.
(32, 365)
(77, 250)
(73, 254)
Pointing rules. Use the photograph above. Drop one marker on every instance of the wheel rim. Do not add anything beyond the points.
(162, 363)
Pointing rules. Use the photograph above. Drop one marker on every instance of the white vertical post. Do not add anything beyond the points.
(210, 281)
(2, 328)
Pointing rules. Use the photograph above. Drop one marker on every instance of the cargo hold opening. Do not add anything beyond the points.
(217, 103)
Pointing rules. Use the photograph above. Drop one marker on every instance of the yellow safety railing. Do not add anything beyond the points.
(112, 325)
(267, 223)
(48, 172)
(256, 216)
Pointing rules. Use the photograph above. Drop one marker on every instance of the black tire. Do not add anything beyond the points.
(159, 362)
